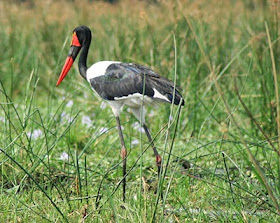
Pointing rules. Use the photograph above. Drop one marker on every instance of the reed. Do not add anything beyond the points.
(59, 146)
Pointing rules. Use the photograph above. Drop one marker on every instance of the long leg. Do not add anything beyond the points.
(158, 157)
(123, 155)
(140, 115)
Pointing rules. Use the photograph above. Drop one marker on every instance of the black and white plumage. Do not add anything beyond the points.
(128, 84)
(121, 84)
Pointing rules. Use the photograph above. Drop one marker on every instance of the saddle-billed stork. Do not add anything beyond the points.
(121, 84)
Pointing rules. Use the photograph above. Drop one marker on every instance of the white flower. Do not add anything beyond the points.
(134, 142)
(102, 130)
(86, 121)
(136, 126)
(70, 119)
(35, 134)
(2, 119)
(64, 156)
(122, 128)
(28, 134)
(69, 103)
(66, 117)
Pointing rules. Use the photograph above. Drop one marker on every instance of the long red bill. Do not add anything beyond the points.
(67, 65)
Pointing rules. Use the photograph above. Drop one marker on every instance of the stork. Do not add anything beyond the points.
(121, 84)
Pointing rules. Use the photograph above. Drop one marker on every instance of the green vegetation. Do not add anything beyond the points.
(60, 145)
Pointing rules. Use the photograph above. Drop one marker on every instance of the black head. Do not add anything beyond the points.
(81, 39)
(83, 33)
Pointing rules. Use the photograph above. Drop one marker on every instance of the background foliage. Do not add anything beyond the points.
(59, 145)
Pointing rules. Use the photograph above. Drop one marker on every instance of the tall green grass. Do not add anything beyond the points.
(60, 146)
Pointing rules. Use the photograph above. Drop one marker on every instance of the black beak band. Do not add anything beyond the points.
(73, 52)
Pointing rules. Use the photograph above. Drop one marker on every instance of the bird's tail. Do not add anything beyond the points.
(166, 88)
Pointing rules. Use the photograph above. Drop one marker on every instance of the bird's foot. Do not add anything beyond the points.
(158, 160)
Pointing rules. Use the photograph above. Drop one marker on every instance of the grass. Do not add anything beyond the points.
(60, 146)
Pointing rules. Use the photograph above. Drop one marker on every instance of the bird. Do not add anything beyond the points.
(121, 84)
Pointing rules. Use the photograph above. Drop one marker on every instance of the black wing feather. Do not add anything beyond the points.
(123, 79)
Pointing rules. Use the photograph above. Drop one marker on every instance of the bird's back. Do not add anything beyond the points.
(114, 80)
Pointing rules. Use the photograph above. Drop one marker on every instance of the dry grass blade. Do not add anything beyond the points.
(37, 184)
(251, 156)
(230, 114)
(275, 84)
(254, 120)
(207, 60)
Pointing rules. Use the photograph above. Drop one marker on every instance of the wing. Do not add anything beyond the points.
(125, 79)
